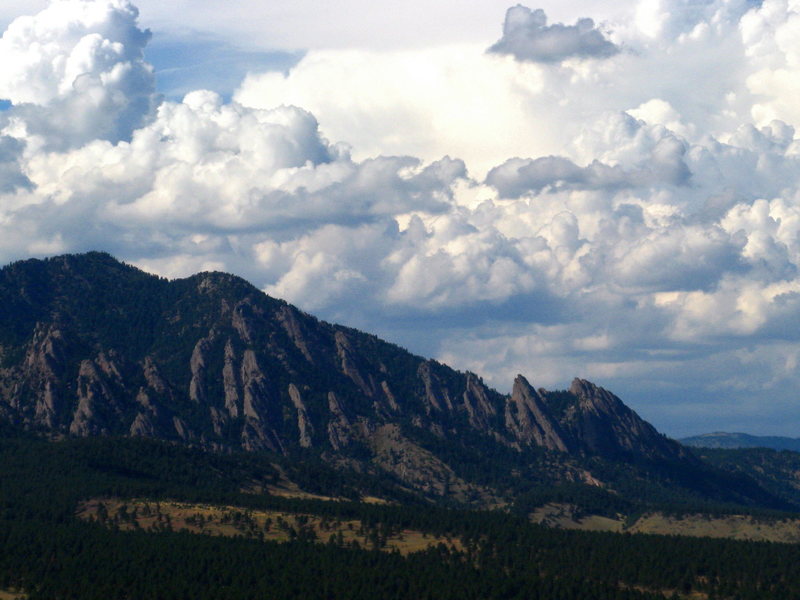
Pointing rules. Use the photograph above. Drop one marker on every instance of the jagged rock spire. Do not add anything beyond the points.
(529, 420)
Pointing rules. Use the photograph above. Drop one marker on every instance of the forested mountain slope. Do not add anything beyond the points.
(90, 346)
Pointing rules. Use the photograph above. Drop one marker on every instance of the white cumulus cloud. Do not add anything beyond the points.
(75, 72)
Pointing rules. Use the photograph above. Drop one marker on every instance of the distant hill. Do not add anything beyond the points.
(721, 439)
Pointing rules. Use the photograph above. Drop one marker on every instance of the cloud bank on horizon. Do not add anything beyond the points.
(619, 201)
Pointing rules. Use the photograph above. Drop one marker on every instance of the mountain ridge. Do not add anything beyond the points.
(723, 439)
(90, 346)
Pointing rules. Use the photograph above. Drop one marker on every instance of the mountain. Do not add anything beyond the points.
(721, 439)
(90, 346)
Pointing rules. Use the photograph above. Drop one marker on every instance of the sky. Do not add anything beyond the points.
(580, 188)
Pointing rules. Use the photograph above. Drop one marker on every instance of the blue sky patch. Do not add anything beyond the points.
(188, 63)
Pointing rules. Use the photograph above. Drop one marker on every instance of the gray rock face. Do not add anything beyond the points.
(143, 426)
(287, 316)
(339, 426)
(530, 421)
(304, 425)
(479, 407)
(182, 429)
(350, 365)
(43, 366)
(101, 398)
(243, 321)
(197, 365)
(437, 398)
(154, 379)
(258, 433)
(152, 418)
(231, 382)
(390, 401)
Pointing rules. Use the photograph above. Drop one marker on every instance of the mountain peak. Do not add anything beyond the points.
(605, 425)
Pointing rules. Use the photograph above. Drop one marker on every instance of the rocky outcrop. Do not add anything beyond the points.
(436, 397)
(258, 406)
(256, 390)
(149, 420)
(420, 469)
(530, 422)
(243, 321)
(231, 382)
(390, 401)
(287, 316)
(152, 419)
(144, 426)
(479, 407)
(604, 425)
(155, 380)
(339, 426)
(350, 364)
(43, 368)
(182, 429)
(100, 392)
(198, 366)
(304, 426)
